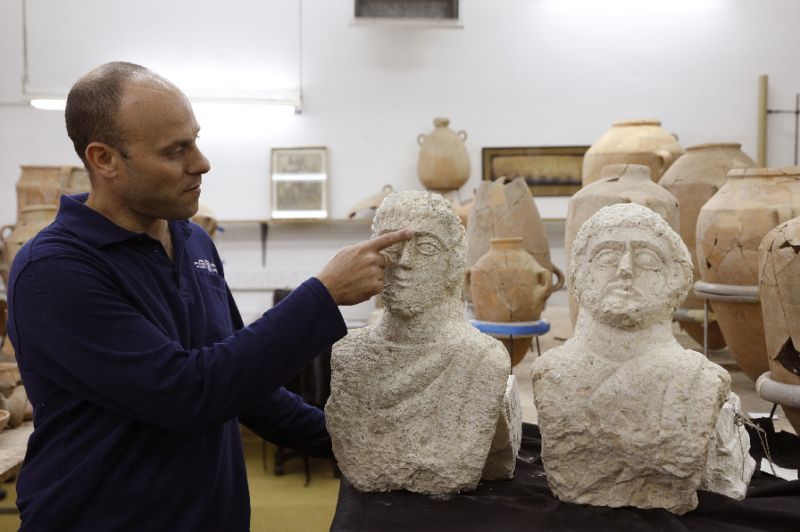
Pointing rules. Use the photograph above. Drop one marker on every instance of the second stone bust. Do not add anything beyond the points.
(422, 401)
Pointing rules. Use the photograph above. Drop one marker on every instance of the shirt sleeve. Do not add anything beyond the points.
(75, 328)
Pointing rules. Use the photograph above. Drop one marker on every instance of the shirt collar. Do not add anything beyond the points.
(97, 230)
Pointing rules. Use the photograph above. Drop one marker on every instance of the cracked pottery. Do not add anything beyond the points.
(730, 228)
(507, 209)
(779, 289)
(508, 285)
(619, 183)
(44, 185)
(628, 416)
(632, 142)
(693, 179)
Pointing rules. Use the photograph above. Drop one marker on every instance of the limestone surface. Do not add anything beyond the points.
(628, 415)
(418, 397)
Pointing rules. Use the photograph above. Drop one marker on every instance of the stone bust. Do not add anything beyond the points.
(421, 400)
(628, 416)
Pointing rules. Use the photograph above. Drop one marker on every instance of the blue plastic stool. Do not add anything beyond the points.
(514, 329)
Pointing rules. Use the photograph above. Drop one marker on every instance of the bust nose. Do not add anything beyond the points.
(406, 255)
(625, 267)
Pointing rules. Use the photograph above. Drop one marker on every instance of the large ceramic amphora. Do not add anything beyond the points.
(508, 285)
(634, 142)
(12, 237)
(779, 291)
(507, 209)
(44, 185)
(443, 160)
(729, 229)
(619, 183)
(696, 176)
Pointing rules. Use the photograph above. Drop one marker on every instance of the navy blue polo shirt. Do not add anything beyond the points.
(138, 368)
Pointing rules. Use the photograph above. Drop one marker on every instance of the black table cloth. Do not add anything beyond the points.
(526, 503)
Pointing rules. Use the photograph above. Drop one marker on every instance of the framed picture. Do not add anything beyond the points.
(299, 183)
(548, 170)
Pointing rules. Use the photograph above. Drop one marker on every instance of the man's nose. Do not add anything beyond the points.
(199, 164)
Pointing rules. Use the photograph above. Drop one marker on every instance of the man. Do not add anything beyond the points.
(418, 399)
(628, 416)
(130, 345)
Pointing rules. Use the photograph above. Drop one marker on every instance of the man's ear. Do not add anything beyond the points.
(103, 159)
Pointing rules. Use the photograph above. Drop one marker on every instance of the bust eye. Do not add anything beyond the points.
(428, 248)
(647, 259)
(394, 250)
(607, 257)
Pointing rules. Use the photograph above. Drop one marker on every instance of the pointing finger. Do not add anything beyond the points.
(385, 240)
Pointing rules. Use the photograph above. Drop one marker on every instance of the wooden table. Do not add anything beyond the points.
(13, 443)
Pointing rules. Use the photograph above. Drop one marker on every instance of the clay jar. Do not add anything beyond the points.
(443, 159)
(619, 183)
(508, 285)
(507, 209)
(12, 237)
(634, 142)
(693, 179)
(730, 228)
(779, 290)
(44, 185)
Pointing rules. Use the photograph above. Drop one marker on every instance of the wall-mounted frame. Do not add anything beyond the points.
(299, 183)
(548, 170)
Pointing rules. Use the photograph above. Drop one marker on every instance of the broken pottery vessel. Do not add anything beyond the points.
(779, 289)
(729, 229)
(44, 185)
(696, 176)
(13, 237)
(443, 159)
(507, 209)
(619, 183)
(422, 401)
(508, 285)
(628, 416)
(632, 142)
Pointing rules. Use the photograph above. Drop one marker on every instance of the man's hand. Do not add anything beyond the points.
(355, 273)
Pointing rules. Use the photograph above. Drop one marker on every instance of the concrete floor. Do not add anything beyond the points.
(561, 330)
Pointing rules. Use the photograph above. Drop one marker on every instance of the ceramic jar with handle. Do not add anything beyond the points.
(508, 285)
(443, 159)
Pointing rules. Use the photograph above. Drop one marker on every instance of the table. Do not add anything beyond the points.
(526, 504)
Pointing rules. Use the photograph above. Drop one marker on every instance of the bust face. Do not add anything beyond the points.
(629, 277)
(418, 271)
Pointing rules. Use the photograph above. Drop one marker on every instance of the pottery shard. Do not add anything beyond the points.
(502, 457)
(729, 461)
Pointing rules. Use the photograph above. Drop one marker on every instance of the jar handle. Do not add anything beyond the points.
(420, 139)
(559, 279)
(463, 135)
(10, 228)
(784, 213)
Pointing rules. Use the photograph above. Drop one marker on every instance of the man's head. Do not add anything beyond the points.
(429, 268)
(630, 268)
(136, 133)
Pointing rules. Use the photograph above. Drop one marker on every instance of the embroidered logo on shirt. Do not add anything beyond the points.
(205, 264)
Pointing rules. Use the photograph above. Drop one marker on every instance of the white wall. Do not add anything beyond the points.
(514, 73)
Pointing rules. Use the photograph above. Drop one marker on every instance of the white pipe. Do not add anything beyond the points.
(778, 392)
